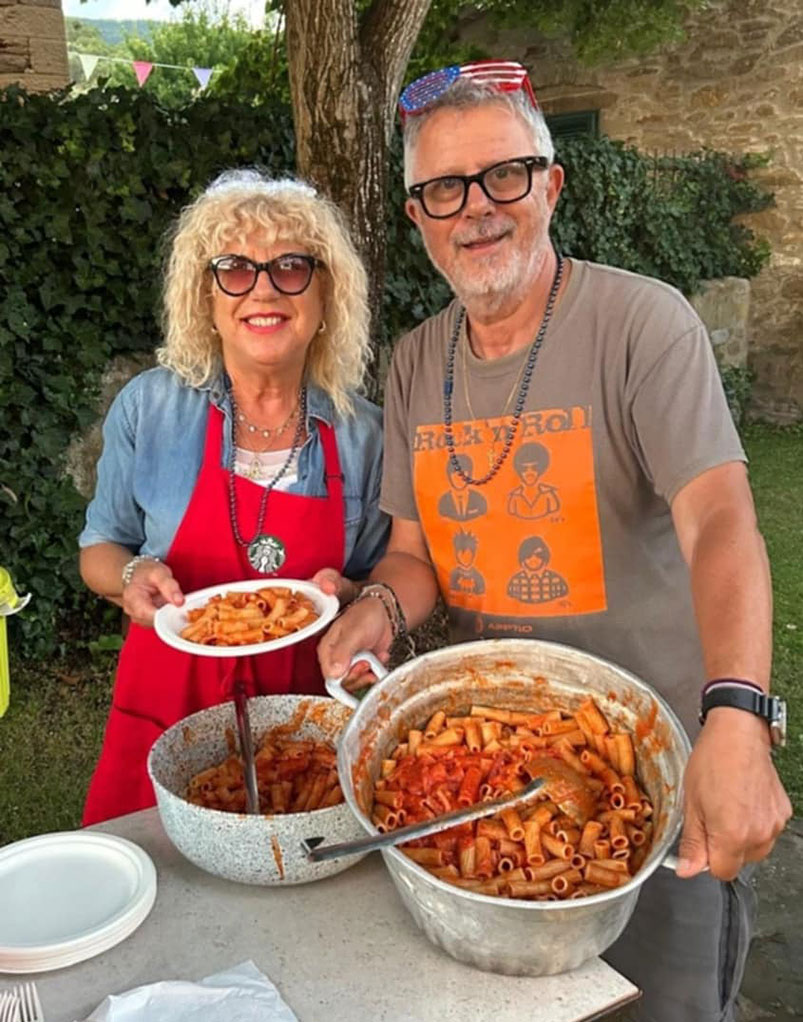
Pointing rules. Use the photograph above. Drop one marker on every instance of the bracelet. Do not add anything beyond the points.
(386, 595)
(128, 570)
(731, 682)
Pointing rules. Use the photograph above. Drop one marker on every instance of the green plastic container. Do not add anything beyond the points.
(10, 603)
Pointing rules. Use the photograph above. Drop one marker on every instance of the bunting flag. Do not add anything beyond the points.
(203, 74)
(141, 69)
(88, 63)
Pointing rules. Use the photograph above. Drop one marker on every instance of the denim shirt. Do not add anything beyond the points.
(153, 445)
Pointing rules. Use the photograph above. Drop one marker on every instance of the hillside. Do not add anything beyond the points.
(110, 31)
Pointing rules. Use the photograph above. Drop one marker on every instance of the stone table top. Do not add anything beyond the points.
(342, 949)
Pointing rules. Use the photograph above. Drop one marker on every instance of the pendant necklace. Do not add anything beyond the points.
(266, 553)
(492, 452)
(448, 387)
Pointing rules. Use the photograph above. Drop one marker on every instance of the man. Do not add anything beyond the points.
(534, 582)
(532, 498)
(460, 502)
(656, 542)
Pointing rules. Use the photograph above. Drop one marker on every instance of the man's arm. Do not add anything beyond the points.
(735, 805)
(365, 625)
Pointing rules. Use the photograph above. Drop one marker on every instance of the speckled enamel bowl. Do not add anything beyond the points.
(249, 849)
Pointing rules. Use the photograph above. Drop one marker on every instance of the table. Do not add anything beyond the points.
(342, 949)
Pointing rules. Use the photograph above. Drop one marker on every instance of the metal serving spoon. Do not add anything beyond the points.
(311, 845)
(246, 748)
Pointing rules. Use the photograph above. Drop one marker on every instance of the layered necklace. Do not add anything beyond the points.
(266, 553)
(265, 431)
(524, 386)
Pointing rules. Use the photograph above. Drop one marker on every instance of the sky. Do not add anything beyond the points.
(156, 10)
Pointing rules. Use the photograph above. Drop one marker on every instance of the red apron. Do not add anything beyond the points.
(157, 685)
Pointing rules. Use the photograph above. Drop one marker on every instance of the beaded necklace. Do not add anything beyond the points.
(266, 553)
(448, 386)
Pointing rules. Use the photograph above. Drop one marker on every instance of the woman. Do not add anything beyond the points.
(246, 453)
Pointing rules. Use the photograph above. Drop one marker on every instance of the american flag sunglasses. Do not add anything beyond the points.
(505, 75)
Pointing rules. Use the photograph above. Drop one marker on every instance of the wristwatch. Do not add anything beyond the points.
(770, 708)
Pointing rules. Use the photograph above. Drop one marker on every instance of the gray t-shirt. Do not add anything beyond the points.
(572, 540)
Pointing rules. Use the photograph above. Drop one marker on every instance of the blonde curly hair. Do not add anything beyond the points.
(235, 205)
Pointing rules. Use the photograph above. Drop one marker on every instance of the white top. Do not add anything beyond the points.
(263, 466)
(339, 950)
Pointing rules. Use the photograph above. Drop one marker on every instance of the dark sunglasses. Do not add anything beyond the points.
(509, 181)
(290, 273)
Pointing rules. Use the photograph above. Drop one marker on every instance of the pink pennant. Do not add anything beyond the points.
(142, 69)
(203, 74)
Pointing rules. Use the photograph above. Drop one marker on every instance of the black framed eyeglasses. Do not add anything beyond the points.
(290, 273)
(508, 181)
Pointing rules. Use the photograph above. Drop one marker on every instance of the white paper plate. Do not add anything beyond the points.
(170, 621)
(69, 896)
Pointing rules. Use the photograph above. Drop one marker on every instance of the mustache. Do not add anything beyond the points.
(485, 231)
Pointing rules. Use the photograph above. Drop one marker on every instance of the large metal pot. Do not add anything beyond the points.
(499, 934)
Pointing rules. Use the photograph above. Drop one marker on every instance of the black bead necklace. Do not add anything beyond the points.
(448, 386)
(265, 553)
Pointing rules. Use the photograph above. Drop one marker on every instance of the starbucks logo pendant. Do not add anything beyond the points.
(267, 554)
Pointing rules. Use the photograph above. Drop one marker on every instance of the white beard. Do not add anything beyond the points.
(490, 286)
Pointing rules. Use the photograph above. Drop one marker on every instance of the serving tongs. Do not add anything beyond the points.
(246, 748)
(316, 853)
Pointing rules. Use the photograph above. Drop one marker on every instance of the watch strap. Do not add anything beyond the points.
(741, 698)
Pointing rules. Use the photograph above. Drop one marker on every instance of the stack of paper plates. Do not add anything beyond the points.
(67, 897)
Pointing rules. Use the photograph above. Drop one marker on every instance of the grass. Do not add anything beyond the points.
(51, 735)
(776, 473)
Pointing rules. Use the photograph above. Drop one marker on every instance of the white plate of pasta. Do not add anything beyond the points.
(246, 617)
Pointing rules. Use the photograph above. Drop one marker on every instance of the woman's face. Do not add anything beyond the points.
(265, 329)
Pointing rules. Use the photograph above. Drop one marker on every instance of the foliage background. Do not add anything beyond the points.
(88, 186)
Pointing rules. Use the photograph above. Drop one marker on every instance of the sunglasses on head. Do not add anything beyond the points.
(289, 273)
(505, 75)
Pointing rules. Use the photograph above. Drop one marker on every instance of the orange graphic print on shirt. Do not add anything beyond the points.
(526, 543)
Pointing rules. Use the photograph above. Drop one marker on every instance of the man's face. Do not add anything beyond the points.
(465, 556)
(529, 474)
(456, 481)
(488, 250)
(536, 560)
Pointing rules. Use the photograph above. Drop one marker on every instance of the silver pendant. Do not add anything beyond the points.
(267, 554)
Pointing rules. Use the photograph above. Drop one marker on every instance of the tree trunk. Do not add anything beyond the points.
(345, 77)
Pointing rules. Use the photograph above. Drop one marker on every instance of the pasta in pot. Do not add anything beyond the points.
(293, 776)
(587, 830)
(240, 619)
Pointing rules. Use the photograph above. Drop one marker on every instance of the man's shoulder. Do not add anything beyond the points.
(612, 283)
(429, 337)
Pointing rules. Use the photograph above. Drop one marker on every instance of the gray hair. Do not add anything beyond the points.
(466, 93)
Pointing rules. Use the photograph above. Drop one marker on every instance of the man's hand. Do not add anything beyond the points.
(334, 584)
(363, 626)
(152, 585)
(735, 806)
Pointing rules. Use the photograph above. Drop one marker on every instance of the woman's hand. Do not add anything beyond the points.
(334, 584)
(152, 585)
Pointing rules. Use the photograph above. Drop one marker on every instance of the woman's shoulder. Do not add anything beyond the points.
(359, 430)
(159, 387)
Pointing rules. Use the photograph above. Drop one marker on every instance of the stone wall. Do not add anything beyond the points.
(33, 46)
(735, 84)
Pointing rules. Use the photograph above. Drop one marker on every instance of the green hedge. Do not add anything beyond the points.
(88, 186)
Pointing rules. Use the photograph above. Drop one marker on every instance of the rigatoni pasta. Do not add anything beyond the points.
(587, 830)
(245, 618)
(293, 776)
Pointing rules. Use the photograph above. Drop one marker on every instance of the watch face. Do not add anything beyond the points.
(778, 724)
